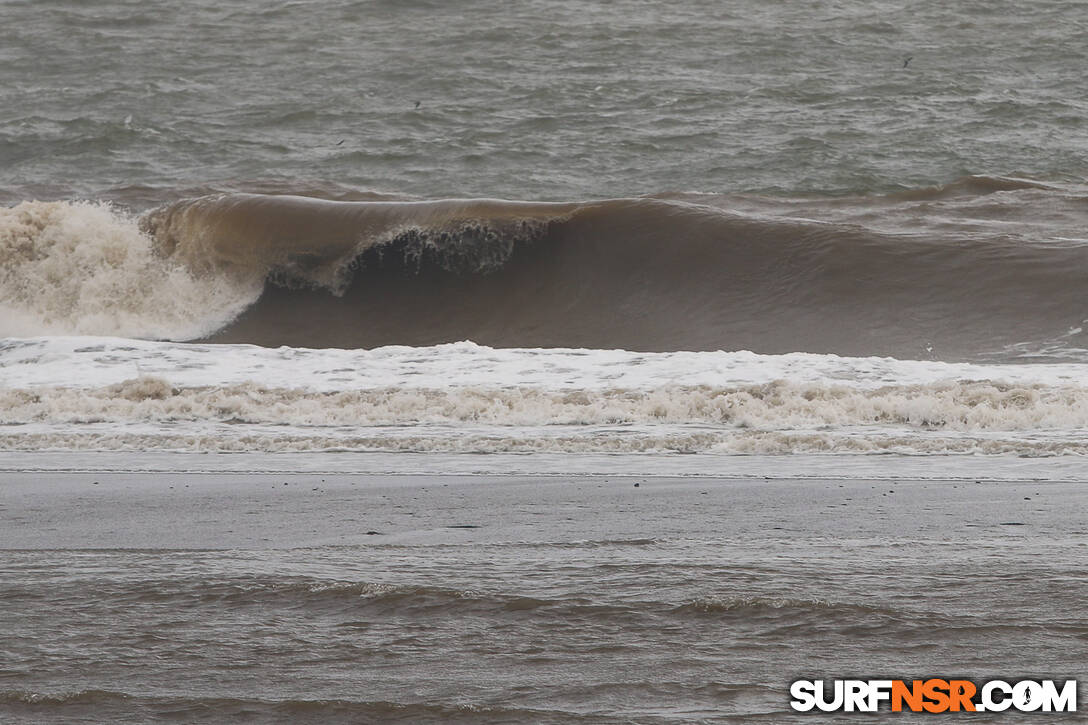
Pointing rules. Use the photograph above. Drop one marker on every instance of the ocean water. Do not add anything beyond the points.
(711, 243)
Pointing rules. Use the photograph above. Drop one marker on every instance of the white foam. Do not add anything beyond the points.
(95, 362)
(116, 394)
(947, 406)
(83, 268)
(429, 439)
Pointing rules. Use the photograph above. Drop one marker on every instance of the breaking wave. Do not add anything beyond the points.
(86, 269)
(982, 266)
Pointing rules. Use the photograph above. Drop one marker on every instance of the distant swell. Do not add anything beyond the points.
(983, 266)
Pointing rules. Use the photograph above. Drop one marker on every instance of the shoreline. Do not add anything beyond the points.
(847, 466)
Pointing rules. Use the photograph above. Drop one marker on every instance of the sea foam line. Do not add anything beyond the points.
(89, 362)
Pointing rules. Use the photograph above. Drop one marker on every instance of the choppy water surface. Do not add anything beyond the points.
(539, 99)
(447, 599)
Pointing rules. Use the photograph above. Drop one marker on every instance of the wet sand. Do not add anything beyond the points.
(50, 510)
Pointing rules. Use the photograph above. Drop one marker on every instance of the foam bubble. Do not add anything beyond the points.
(949, 406)
(80, 268)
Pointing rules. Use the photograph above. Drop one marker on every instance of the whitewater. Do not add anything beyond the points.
(114, 394)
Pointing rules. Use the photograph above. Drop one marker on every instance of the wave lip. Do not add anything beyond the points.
(307, 242)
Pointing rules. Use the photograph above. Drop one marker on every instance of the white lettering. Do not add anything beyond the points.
(803, 693)
(1027, 696)
(836, 701)
(989, 704)
(879, 691)
(1064, 701)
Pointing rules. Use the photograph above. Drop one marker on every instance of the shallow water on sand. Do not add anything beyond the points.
(562, 599)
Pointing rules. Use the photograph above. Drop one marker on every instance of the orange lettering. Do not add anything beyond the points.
(936, 691)
(911, 695)
(961, 692)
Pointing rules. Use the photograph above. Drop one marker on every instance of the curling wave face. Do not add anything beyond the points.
(979, 268)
